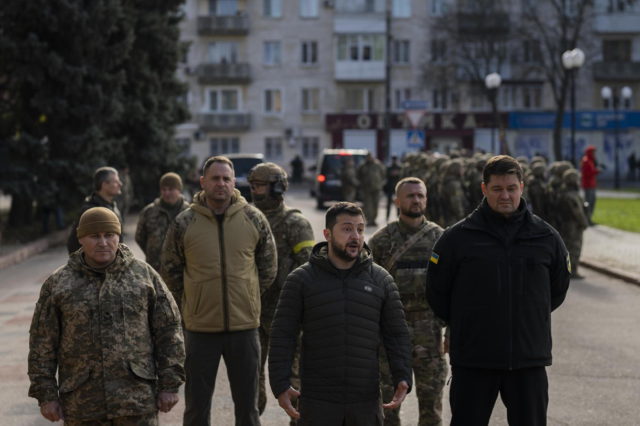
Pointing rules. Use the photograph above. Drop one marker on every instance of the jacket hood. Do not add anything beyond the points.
(124, 257)
(320, 257)
(199, 204)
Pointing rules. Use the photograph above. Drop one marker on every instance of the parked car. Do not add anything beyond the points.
(327, 185)
(242, 164)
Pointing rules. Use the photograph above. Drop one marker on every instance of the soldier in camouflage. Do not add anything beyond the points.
(156, 217)
(572, 220)
(403, 247)
(294, 240)
(372, 176)
(452, 194)
(109, 326)
(348, 179)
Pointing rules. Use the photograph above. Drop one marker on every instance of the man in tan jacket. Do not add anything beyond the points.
(219, 256)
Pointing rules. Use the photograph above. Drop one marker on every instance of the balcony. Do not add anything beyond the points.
(616, 71)
(223, 25)
(475, 23)
(214, 122)
(223, 73)
(362, 71)
(617, 23)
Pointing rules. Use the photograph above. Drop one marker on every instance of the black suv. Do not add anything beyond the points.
(328, 185)
(242, 164)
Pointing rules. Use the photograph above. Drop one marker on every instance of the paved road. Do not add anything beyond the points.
(595, 379)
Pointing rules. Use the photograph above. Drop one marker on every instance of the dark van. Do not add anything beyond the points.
(328, 185)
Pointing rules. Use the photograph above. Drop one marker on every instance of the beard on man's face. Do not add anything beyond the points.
(412, 212)
(342, 253)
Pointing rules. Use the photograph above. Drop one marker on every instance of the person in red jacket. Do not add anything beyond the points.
(590, 170)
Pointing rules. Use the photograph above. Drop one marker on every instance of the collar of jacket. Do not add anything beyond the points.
(124, 257)
(532, 226)
(320, 257)
(199, 204)
(97, 199)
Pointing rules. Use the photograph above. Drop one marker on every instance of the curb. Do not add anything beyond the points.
(33, 248)
(611, 271)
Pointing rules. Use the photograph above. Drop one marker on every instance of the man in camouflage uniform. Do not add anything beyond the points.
(452, 194)
(371, 175)
(294, 240)
(572, 218)
(537, 187)
(107, 186)
(156, 217)
(403, 247)
(110, 327)
(348, 179)
(219, 256)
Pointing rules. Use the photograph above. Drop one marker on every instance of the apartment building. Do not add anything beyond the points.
(291, 77)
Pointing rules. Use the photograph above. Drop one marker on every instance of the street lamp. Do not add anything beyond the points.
(613, 100)
(492, 82)
(572, 60)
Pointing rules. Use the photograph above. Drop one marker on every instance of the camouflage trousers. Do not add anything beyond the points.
(265, 331)
(574, 247)
(370, 202)
(150, 419)
(430, 375)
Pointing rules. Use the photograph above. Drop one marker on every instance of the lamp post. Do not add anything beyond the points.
(613, 101)
(492, 82)
(572, 60)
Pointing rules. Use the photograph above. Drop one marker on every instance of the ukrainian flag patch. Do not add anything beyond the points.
(434, 258)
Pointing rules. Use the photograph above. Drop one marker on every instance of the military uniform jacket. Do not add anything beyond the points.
(114, 338)
(93, 200)
(497, 291)
(219, 269)
(152, 228)
(344, 316)
(409, 271)
(294, 240)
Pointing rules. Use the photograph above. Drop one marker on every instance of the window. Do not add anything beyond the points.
(272, 8)
(273, 148)
(360, 6)
(478, 98)
(401, 8)
(310, 99)
(616, 50)
(531, 97)
(308, 8)
(618, 6)
(399, 96)
(531, 52)
(437, 7)
(218, 146)
(508, 96)
(361, 47)
(570, 7)
(401, 52)
(438, 50)
(359, 99)
(273, 101)
(222, 52)
(272, 53)
(309, 52)
(224, 100)
(440, 98)
(223, 7)
(310, 147)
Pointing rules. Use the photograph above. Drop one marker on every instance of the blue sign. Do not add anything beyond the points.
(585, 120)
(415, 138)
(415, 104)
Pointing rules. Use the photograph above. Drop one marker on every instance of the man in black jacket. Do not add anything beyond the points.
(345, 305)
(495, 277)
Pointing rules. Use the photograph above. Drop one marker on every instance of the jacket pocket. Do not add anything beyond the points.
(69, 383)
(143, 370)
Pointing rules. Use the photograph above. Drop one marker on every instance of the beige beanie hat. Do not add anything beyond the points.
(98, 219)
(171, 180)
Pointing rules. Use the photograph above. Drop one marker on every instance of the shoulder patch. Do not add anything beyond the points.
(434, 258)
(568, 263)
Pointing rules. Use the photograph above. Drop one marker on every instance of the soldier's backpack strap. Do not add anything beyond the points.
(407, 245)
(288, 212)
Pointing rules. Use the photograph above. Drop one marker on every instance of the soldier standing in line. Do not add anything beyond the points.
(348, 179)
(109, 326)
(106, 185)
(372, 176)
(538, 196)
(403, 248)
(452, 199)
(393, 176)
(294, 240)
(572, 218)
(156, 217)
